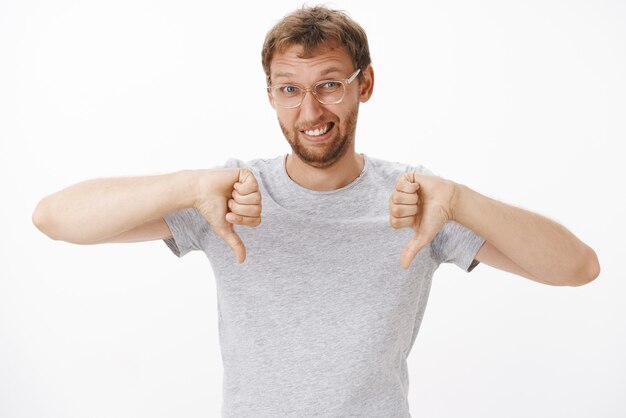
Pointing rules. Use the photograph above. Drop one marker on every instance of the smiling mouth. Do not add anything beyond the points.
(319, 131)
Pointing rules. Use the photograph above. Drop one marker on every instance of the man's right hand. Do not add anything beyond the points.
(229, 196)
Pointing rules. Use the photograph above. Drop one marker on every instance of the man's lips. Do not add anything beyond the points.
(319, 132)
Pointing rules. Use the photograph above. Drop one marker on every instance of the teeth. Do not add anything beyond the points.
(318, 132)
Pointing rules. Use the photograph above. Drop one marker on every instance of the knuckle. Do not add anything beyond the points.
(248, 177)
(222, 232)
(396, 210)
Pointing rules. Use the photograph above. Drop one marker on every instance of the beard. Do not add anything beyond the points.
(328, 153)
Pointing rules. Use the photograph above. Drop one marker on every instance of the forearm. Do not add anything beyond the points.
(95, 210)
(537, 244)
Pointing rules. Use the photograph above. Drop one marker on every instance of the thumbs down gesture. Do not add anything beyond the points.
(423, 203)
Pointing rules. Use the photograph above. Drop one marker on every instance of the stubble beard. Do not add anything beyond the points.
(326, 154)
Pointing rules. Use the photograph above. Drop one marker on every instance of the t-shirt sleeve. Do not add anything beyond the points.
(188, 227)
(454, 243)
(457, 244)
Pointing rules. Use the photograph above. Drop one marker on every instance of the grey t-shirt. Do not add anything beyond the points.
(320, 318)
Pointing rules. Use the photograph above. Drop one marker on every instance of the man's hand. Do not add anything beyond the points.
(229, 196)
(424, 203)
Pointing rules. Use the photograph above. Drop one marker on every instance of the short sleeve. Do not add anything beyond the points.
(454, 243)
(188, 227)
(457, 244)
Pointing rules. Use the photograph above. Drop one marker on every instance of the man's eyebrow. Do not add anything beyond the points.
(283, 75)
(322, 73)
(330, 70)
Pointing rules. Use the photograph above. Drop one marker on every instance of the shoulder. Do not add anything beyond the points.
(256, 165)
(393, 169)
(266, 170)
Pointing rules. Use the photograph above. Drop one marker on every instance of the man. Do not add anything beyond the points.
(320, 318)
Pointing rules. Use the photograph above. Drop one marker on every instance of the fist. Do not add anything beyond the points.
(228, 197)
(423, 203)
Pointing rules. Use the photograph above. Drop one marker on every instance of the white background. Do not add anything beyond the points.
(523, 101)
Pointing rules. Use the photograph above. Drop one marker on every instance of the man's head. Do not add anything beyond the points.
(310, 45)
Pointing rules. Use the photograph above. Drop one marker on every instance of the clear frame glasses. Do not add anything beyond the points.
(291, 95)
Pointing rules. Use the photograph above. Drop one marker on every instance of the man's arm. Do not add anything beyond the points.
(99, 210)
(521, 241)
(132, 209)
(517, 241)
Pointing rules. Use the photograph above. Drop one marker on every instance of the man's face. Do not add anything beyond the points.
(319, 134)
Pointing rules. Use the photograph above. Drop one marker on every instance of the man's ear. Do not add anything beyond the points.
(268, 81)
(367, 84)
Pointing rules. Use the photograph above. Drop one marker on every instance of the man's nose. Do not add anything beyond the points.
(310, 108)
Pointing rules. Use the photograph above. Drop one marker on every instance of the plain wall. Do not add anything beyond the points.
(521, 100)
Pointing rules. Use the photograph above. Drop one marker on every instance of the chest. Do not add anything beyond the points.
(325, 280)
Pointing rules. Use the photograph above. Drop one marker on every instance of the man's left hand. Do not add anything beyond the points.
(424, 203)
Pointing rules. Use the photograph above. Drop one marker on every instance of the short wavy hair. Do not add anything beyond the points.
(313, 28)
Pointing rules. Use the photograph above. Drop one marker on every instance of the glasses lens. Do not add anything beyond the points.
(287, 95)
(329, 92)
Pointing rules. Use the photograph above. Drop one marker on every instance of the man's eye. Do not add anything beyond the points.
(330, 85)
(289, 90)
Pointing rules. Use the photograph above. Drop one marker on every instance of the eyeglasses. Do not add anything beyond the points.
(290, 95)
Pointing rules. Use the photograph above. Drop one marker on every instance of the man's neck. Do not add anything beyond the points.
(340, 174)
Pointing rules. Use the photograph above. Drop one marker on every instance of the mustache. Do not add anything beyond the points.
(309, 125)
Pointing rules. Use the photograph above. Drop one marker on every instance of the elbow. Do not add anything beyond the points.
(589, 269)
(42, 219)
(51, 218)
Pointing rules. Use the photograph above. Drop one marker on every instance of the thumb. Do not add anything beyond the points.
(228, 234)
(411, 249)
(247, 182)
